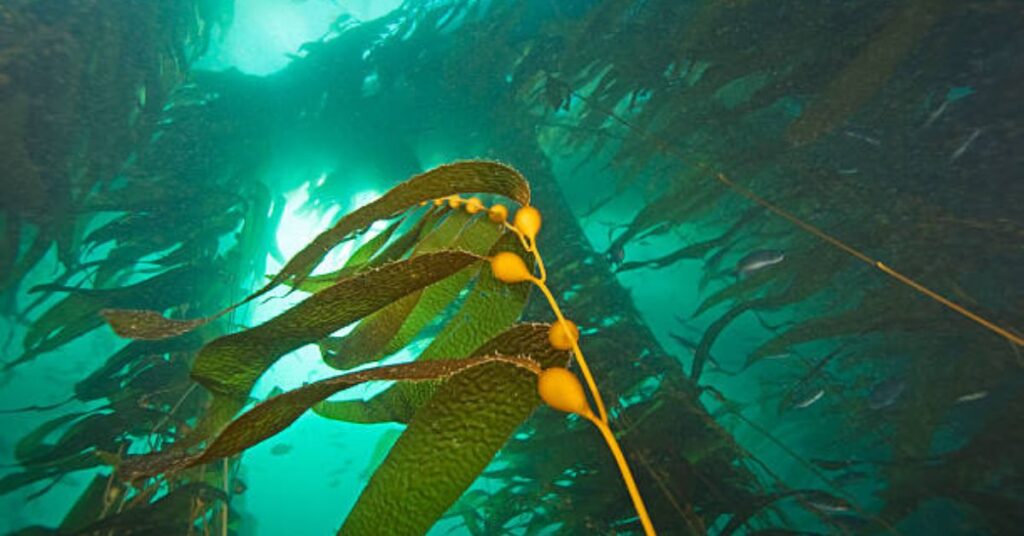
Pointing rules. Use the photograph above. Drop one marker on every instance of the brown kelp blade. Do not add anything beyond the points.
(276, 414)
(460, 177)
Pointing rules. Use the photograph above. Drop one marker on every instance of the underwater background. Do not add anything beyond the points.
(791, 234)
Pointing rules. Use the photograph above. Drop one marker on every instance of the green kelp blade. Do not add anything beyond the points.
(478, 237)
(391, 329)
(371, 335)
(230, 365)
(277, 413)
(491, 308)
(360, 259)
(460, 177)
(448, 443)
(362, 255)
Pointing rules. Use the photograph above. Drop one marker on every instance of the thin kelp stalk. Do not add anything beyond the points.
(558, 387)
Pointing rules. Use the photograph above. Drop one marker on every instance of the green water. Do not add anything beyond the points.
(668, 143)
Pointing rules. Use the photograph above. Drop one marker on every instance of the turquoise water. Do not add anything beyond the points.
(718, 180)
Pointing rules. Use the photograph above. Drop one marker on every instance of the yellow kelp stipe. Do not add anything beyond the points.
(558, 387)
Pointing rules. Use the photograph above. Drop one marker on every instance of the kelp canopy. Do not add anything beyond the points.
(815, 394)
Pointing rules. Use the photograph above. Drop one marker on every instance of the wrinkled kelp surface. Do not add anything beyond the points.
(812, 395)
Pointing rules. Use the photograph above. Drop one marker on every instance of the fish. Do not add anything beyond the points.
(862, 137)
(238, 487)
(834, 465)
(758, 260)
(886, 393)
(963, 147)
(616, 255)
(807, 402)
(971, 397)
(827, 503)
(850, 477)
(280, 449)
(935, 115)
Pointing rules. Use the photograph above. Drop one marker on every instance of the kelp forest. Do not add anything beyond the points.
(570, 267)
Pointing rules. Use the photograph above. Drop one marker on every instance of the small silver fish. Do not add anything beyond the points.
(862, 137)
(963, 148)
(971, 397)
(935, 115)
(810, 400)
(757, 260)
(827, 503)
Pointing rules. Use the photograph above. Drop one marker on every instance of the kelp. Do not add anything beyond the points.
(78, 313)
(448, 442)
(393, 327)
(72, 81)
(449, 179)
(469, 176)
(888, 172)
(490, 308)
(277, 413)
(228, 366)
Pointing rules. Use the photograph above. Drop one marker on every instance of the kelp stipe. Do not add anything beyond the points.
(462, 398)
(558, 387)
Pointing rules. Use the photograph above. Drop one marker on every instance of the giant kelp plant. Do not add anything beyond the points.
(817, 394)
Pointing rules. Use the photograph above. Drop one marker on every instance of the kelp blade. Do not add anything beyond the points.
(277, 413)
(453, 436)
(491, 308)
(230, 365)
(460, 177)
(447, 445)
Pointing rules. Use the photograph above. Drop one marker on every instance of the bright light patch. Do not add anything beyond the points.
(265, 33)
(297, 227)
